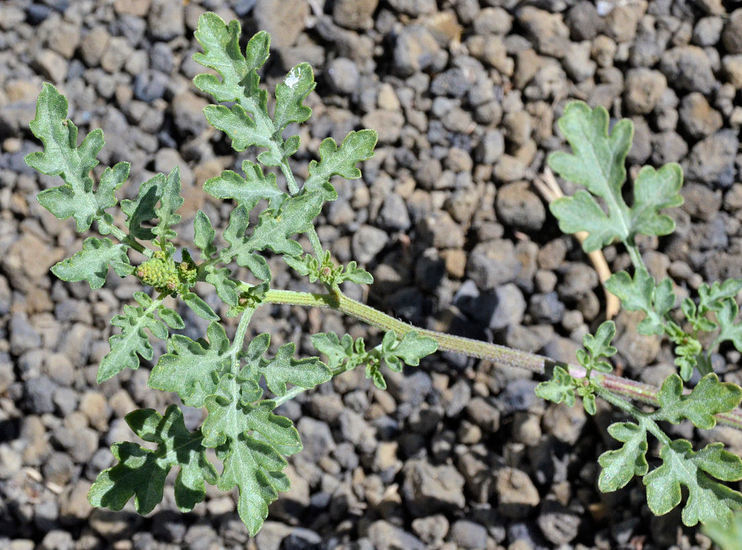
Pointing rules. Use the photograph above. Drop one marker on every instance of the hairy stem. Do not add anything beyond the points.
(123, 237)
(239, 339)
(644, 419)
(502, 355)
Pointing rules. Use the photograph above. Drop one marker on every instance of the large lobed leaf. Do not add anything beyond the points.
(64, 157)
(252, 443)
(708, 500)
(598, 163)
(247, 122)
(141, 472)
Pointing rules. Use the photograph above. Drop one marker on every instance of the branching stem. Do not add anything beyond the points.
(501, 355)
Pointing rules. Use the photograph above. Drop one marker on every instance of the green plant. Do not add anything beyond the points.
(240, 384)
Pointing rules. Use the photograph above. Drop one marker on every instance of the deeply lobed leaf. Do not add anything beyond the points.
(598, 163)
(133, 341)
(559, 389)
(619, 466)
(92, 262)
(192, 368)
(284, 369)
(251, 441)
(339, 161)
(708, 500)
(708, 398)
(140, 473)
(247, 191)
(62, 156)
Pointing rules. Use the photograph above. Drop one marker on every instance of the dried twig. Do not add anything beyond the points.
(547, 185)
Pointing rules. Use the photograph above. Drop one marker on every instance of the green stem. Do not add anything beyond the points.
(123, 237)
(636, 256)
(239, 339)
(501, 355)
(290, 179)
(643, 418)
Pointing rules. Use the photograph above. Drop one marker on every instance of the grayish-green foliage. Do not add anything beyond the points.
(239, 386)
(141, 472)
(597, 163)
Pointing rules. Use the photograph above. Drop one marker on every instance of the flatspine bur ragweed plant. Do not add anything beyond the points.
(240, 384)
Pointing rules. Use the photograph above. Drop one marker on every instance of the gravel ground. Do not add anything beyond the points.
(464, 95)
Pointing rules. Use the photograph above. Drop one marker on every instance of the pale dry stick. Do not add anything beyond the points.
(550, 190)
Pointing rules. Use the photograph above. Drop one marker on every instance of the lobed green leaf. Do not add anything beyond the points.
(192, 368)
(247, 191)
(248, 438)
(708, 500)
(598, 163)
(140, 473)
(339, 161)
(133, 341)
(559, 389)
(621, 465)
(708, 398)
(62, 156)
(284, 369)
(92, 262)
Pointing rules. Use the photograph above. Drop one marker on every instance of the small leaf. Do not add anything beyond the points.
(413, 347)
(62, 156)
(171, 317)
(285, 369)
(247, 191)
(290, 96)
(143, 209)
(92, 262)
(192, 368)
(341, 161)
(170, 201)
(335, 350)
(559, 389)
(256, 263)
(199, 307)
(600, 344)
(708, 500)
(708, 398)
(141, 473)
(729, 330)
(356, 274)
(621, 465)
(110, 181)
(712, 297)
(133, 342)
(203, 235)
(641, 293)
(226, 288)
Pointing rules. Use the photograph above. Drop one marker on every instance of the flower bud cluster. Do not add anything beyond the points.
(166, 275)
